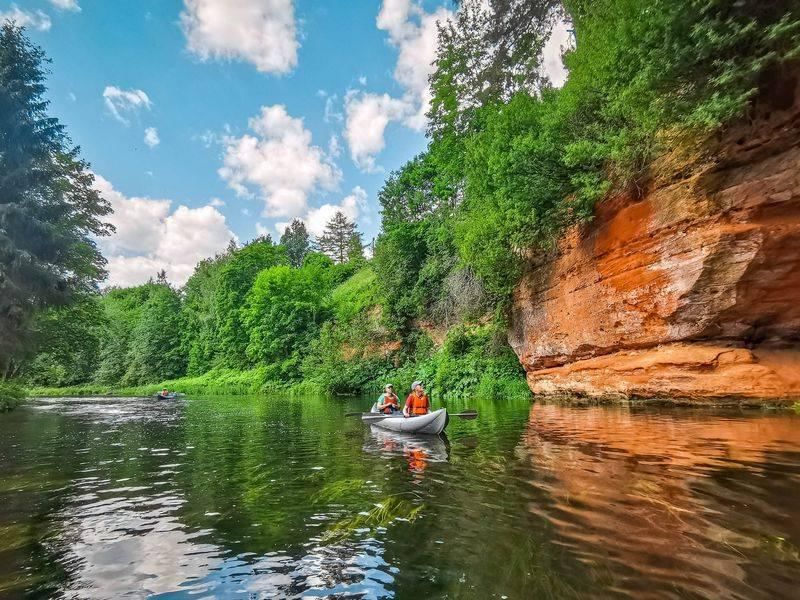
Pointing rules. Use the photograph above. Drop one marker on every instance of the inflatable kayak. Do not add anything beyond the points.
(170, 396)
(434, 422)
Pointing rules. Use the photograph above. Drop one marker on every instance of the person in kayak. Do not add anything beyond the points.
(417, 402)
(388, 402)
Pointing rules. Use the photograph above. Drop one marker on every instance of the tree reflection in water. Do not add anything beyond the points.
(285, 497)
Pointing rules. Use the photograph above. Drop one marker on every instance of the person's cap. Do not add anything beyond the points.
(415, 384)
(388, 385)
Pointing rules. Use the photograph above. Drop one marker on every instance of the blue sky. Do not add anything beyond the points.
(207, 119)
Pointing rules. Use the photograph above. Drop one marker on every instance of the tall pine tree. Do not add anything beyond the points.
(50, 212)
(337, 238)
(297, 242)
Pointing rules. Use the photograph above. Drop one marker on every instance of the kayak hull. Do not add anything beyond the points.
(167, 397)
(432, 423)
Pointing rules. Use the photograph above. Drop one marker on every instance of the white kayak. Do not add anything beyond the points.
(434, 422)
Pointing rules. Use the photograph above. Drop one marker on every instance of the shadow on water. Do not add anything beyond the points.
(231, 497)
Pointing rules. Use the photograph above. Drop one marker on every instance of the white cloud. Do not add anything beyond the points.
(334, 146)
(121, 102)
(362, 80)
(72, 97)
(279, 161)
(414, 32)
(151, 237)
(316, 218)
(263, 230)
(151, 137)
(368, 115)
(35, 20)
(208, 138)
(262, 32)
(331, 112)
(66, 5)
(552, 63)
(216, 202)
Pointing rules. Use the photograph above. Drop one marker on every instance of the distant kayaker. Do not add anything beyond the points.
(417, 402)
(388, 402)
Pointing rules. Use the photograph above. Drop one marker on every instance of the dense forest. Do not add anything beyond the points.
(511, 164)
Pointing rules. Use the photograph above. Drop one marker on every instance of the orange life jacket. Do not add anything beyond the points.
(393, 400)
(418, 405)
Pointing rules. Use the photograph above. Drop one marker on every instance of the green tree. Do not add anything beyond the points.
(122, 309)
(335, 240)
(297, 242)
(69, 338)
(50, 213)
(199, 323)
(283, 313)
(235, 280)
(355, 250)
(155, 346)
(488, 53)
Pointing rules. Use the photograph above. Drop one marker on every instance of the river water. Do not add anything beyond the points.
(274, 498)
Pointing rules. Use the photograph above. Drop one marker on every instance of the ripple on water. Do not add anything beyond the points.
(286, 498)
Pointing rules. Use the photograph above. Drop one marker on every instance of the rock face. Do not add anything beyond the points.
(690, 291)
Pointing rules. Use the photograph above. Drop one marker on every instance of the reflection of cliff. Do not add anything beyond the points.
(692, 501)
(690, 291)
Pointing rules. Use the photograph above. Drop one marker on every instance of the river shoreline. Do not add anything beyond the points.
(304, 388)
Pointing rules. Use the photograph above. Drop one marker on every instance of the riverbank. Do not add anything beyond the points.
(229, 382)
(11, 396)
(220, 382)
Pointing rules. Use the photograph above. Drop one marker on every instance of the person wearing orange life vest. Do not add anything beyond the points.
(388, 402)
(417, 402)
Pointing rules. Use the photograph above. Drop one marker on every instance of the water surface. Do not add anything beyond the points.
(272, 498)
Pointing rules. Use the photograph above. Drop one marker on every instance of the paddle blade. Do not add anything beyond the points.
(468, 414)
(372, 417)
(353, 414)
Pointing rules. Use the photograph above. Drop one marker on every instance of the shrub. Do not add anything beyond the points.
(11, 396)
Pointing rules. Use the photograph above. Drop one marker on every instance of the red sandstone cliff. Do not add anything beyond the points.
(689, 292)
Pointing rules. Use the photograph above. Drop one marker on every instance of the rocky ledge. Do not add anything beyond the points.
(690, 290)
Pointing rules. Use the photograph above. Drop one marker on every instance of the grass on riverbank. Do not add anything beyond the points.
(214, 383)
(226, 382)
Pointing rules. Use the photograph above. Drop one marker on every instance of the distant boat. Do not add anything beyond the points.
(170, 396)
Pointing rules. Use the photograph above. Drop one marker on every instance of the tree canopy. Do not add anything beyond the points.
(50, 213)
(296, 241)
(337, 238)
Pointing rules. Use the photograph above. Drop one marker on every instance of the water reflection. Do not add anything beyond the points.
(233, 497)
(418, 450)
(672, 502)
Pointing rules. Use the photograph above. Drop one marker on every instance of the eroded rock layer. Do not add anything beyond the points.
(690, 291)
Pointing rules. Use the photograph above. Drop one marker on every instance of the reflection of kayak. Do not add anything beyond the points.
(434, 422)
(434, 447)
(170, 396)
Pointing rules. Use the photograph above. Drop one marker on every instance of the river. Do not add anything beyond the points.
(276, 497)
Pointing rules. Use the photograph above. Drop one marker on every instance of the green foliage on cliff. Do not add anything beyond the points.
(646, 77)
